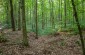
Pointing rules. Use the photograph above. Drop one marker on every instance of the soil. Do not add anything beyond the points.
(62, 44)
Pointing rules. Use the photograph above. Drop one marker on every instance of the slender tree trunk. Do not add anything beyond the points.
(19, 17)
(12, 15)
(59, 10)
(78, 25)
(42, 8)
(82, 10)
(65, 13)
(36, 20)
(25, 40)
(32, 14)
(7, 12)
(15, 14)
(52, 10)
(61, 14)
(51, 14)
(70, 21)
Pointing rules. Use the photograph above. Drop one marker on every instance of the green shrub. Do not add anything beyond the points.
(78, 43)
(62, 43)
(3, 39)
(83, 26)
(1, 52)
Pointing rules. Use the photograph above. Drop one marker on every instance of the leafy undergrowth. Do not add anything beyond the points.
(62, 44)
(3, 38)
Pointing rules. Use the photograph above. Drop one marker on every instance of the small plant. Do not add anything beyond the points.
(3, 39)
(78, 43)
(62, 43)
(1, 52)
(74, 32)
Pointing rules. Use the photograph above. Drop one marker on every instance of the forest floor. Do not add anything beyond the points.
(62, 44)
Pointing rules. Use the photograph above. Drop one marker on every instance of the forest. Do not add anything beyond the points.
(42, 27)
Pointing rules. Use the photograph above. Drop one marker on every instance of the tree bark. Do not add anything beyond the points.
(36, 20)
(78, 25)
(25, 40)
(19, 16)
(65, 13)
(12, 15)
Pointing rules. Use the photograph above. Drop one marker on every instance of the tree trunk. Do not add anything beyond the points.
(51, 13)
(78, 25)
(82, 10)
(25, 40)
(61, 14)
(12, 15)
(65, 13)
(42, 9)
(36, 20)
(19, 17)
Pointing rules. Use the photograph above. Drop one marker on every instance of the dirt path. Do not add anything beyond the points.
(45, 45)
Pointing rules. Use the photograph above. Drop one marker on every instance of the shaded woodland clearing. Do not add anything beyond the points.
(62, 44)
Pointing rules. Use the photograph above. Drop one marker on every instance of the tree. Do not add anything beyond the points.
(12, 15)
(7, 12)
(61, 14)
(82, 9)
(78, 25)
(65, 13)
(36, 20)
(19, 15)
(42, 9)
(51, 13)
(25, 40)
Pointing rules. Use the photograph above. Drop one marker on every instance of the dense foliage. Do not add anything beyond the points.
(52, 15)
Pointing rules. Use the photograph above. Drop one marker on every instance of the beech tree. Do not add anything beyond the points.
(36, 19)
(19, 15)
(12, 15)
(65, 12)
(78, 25)
(24, 31)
